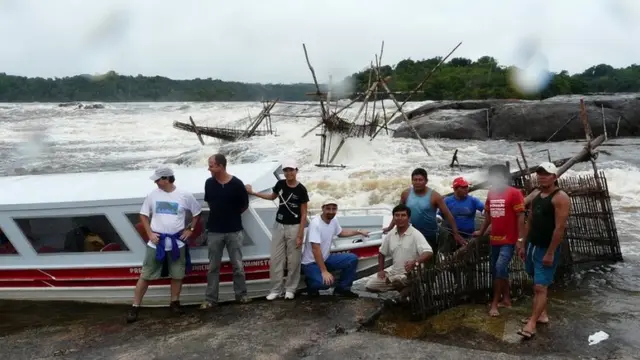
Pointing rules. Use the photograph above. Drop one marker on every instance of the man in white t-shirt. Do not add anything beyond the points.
(407, 246)
(317, 260)
(167, 253)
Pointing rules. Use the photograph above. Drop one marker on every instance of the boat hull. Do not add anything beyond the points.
(116, 285)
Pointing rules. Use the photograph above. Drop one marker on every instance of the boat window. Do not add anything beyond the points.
(71, 234)
(196, 240)
(6, 248)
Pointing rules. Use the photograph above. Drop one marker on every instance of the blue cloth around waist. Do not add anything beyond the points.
(161, 253)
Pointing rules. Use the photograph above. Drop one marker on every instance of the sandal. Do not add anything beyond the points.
(526, 320)
(526, 335)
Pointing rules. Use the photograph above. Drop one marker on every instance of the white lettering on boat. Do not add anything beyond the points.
(205, 267)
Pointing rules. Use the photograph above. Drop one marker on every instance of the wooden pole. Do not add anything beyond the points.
(561, 127)
(404, 116)
(604, 123)
(195, 129)
(315, 81)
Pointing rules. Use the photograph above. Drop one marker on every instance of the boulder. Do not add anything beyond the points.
(553, 119)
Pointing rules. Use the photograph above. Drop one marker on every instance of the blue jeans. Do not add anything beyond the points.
(347, 263)
(542, 275)
(501, 256)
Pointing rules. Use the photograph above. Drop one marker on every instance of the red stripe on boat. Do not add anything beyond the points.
(127, 276)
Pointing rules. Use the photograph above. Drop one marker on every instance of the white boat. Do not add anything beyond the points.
(45, 221)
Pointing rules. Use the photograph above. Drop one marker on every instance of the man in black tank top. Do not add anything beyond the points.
(544, 232)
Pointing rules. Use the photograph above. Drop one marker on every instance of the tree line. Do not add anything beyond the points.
(457, 79)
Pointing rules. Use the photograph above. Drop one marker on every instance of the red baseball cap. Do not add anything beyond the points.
(460, 182)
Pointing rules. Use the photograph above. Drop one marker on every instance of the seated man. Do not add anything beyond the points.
(317, 260)
(407, 246)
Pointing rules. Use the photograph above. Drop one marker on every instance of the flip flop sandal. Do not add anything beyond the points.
(526, 335)
(526, 320)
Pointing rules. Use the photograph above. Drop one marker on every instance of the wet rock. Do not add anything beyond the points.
(69, 104)
(525, 120)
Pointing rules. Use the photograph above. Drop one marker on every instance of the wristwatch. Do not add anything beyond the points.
(191, 228)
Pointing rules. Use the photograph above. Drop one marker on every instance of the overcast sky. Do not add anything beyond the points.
(261, 40)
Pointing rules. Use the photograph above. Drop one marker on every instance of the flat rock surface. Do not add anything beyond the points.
(324, 328)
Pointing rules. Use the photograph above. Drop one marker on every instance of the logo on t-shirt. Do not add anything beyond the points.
(167, 207)
(497, 207)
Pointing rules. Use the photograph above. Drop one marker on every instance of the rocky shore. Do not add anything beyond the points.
(525, 120)
(324, 328)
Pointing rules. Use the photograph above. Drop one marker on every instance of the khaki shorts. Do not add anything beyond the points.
(152, 268)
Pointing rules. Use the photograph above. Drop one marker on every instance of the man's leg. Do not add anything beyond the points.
(177, 270)
(151, 269)
(215, 245)
(543, 277)
(313, 278)
(504, 262)
(498, 273)
(294, 257)
(234, 248)
(347, 263)
(377, 285)
(277, 260)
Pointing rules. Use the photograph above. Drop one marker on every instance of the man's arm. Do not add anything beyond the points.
(403, 200)
(350, 232)
(487, 220)
(317, 255)
(243, 196)
(479, 204)
(145, 213)
(196, 210)
(383, 252)
(315, 238)
(518, 207)
(304, 207)
(271, 196)
(439, 202)
(303, 219)
(265, 196)
(424, 249)
(562, 207)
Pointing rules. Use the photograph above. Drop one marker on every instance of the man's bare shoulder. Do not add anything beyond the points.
(561, 196)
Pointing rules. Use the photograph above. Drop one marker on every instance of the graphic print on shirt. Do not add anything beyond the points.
(497, 207)
(167, 207)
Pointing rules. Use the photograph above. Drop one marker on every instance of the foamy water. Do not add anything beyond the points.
(44, 138)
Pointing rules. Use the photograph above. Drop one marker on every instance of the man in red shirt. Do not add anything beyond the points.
(504, 211)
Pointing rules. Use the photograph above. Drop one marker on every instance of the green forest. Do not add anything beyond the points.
(457, 79)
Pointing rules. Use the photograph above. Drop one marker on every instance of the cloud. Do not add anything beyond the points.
(261, 41)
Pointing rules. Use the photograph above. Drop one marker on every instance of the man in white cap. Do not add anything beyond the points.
(288, 230)
(167, 253)
(544, 232)
(317, 260)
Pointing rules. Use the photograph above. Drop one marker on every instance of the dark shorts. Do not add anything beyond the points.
(541, 275)
(501, 256)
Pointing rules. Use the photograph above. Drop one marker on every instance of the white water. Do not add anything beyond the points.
(46, 138)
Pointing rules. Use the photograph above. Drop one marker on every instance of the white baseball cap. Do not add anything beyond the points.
(160, 173)
(290, 163)
(548, 168)
(329, 202)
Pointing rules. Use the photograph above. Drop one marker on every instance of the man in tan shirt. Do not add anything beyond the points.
(407, 246)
